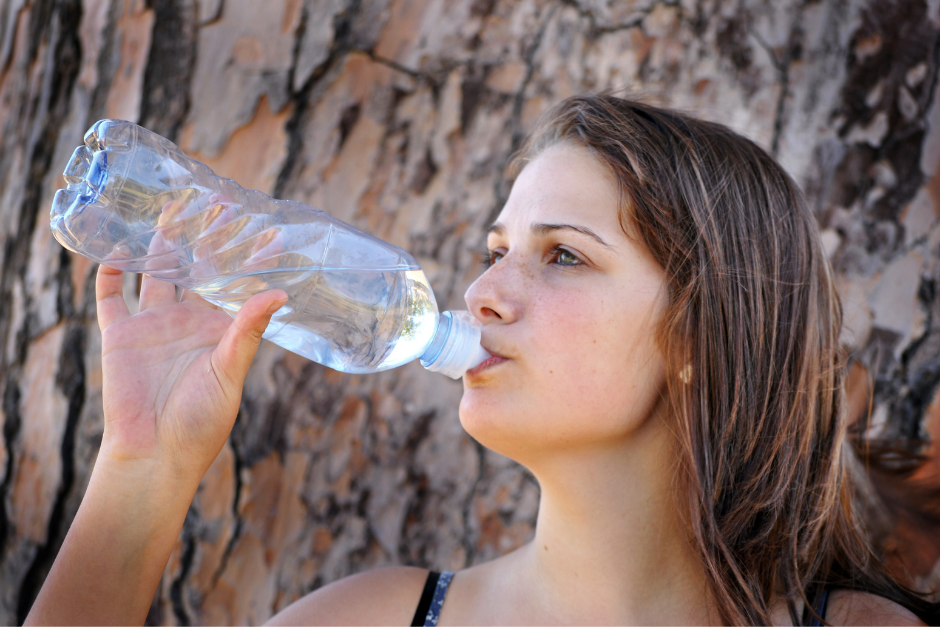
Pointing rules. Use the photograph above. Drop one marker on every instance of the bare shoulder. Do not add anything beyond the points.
(850, 607)
(385, 596)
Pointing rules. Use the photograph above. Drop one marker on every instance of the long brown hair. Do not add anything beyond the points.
(751, 341)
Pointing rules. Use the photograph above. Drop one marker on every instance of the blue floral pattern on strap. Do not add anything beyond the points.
(437, 601)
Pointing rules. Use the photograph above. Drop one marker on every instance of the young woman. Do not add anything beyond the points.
(664, 329)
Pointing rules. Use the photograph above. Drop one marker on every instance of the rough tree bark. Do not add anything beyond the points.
(399, 116)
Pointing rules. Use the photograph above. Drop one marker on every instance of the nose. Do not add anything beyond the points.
(495, 295)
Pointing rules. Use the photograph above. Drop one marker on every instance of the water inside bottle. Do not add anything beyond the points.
(350, 319)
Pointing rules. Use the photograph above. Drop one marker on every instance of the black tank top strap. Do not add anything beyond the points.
(425, 602)
(432, 598)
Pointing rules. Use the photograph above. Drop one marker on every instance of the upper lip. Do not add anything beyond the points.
(493, 352)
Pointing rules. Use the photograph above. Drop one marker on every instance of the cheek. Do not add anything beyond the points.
(571, 340)
(598, 361)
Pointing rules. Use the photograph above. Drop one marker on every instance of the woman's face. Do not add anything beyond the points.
(569, 307)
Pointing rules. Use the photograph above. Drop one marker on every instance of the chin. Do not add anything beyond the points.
(490, 422)
(509, 426)
(533, 428)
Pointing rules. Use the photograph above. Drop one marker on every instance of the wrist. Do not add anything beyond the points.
(152, 470)
(141, 484)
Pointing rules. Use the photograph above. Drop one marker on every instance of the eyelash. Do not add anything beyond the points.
(557, 251)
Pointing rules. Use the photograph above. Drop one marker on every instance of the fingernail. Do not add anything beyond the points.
(275, 306)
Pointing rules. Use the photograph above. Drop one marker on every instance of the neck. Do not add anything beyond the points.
(610, 546)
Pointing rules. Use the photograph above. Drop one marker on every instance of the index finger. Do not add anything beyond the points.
(109, 294)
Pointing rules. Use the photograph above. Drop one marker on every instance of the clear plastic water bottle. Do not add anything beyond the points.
(136, 203)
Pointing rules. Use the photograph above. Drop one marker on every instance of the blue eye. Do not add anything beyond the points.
(491, 257)
(566, 258)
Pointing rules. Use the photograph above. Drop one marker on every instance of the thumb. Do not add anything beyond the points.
(232, 357)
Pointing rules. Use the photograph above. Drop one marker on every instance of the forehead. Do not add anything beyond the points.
(565, 183)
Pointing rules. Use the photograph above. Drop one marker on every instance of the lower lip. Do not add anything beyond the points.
(489, 363)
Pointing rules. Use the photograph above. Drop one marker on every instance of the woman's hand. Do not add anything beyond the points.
(173, 373)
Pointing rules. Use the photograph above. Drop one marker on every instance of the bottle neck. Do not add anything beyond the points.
(455, 347)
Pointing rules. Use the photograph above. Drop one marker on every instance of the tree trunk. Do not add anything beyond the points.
(399, 116)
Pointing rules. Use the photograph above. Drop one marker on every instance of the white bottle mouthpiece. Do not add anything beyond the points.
(456, 345)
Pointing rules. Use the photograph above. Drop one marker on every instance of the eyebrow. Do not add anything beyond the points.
(543, 228)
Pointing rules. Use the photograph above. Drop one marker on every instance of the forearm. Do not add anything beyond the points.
(117, 547)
